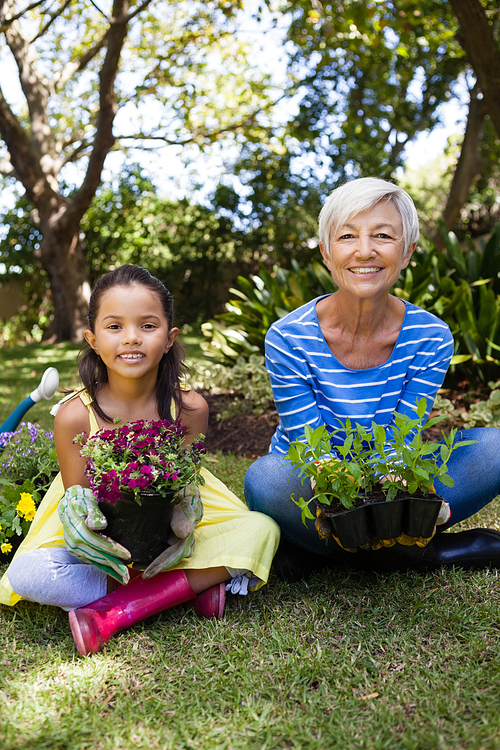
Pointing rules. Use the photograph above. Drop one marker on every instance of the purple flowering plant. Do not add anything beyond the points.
(140, 456)
(28, 464)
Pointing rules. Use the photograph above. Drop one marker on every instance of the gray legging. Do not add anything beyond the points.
(52, 575)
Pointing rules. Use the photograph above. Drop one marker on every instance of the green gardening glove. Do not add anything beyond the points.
(81, 518)
(188, 511)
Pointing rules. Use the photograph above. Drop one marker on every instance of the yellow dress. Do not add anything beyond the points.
(229, 534)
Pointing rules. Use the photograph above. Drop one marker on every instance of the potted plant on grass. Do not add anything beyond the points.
(377, 486)
(135, 472)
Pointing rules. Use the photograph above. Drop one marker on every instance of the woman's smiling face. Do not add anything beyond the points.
(366, 254)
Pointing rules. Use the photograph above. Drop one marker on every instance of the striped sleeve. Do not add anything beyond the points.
(292, 385)
(427, 369)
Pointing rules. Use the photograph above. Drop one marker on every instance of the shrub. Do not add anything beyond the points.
(258, 303)
(460, 286)
(247, 379)
(465, 288)
(481, 414)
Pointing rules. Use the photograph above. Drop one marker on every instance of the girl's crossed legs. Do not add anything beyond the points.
(52, 575)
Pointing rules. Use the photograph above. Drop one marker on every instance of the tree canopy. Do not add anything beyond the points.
(96, 77)
(195, 252)
(363, 79)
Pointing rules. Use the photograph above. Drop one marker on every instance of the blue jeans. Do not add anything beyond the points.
(475, 469)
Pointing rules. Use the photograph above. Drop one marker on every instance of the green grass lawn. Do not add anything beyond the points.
(21, 368)
(349, 660)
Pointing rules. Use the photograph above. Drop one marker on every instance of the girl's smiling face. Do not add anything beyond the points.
(367, 254)
(131, 331)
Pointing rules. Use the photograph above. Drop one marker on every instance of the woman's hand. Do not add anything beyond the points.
(391, 478)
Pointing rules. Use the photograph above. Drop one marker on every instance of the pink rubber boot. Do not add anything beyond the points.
(209, 603)
(92, 626)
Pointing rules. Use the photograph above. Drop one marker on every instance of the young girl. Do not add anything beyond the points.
(132, 371)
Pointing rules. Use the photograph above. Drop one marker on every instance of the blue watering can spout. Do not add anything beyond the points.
(46, 389)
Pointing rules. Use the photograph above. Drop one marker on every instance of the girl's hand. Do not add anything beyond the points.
(187, 513)
(81, 518)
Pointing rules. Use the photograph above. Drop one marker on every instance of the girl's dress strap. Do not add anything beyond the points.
(67, 397)
(85, 397)
(87, 400)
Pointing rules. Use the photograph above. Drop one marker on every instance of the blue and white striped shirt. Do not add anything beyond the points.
(310, 386)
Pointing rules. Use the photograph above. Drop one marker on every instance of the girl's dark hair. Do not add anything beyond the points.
(92, 369)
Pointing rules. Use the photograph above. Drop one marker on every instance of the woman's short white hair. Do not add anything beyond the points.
(357, 196)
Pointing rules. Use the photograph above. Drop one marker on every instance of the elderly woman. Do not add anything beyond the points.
(363, 354)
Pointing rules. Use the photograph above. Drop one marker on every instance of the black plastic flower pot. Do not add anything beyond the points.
(421, 514)
(413, 516)
(142, 529)
(350, 526)
(386, 520)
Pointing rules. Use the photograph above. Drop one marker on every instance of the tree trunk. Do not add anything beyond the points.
(35, 160)
(62, 255)
(468, 167)
(477, 37)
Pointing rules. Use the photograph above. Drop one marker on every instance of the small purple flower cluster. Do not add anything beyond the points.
(141, 455)
(28, 453)
(5, 438)
(25, 427)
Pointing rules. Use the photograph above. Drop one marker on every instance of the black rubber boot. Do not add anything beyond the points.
(477, 548)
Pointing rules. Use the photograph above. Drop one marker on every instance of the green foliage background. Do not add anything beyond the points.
(460, 286)
(362, 79)
(195, 251)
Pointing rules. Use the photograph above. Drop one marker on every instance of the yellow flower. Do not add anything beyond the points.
(26, 506)
(5, 547)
